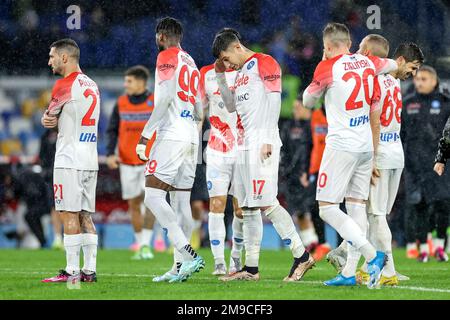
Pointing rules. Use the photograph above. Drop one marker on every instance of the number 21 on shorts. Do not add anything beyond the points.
(58, 191)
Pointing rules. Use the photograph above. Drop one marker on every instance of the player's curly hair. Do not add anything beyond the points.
(170, 27)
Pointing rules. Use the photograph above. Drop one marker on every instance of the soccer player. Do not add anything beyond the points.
(220, 168)
(129, 116)
(347, 81)
(75, 110)
(173, 157)
(389, 158)
(255, 95)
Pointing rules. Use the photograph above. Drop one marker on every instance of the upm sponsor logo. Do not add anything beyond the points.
(389, 137)
(359, 121)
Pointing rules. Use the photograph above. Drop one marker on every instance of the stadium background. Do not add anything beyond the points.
(115, 35)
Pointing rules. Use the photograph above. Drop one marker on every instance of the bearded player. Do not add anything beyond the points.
(75, 110)
(220, 168)
(347, 82)
(389, 158)
(255, 95)
(173, 157)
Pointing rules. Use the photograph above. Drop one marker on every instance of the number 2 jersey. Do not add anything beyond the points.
(175, 97)
(390, 150)
(76, 102)
(348, 83)
(225, 126)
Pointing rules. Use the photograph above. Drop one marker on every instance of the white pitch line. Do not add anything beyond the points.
(126, 275)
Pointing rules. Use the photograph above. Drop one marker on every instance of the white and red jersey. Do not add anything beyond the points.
(259, 76)
(348, 84)
(224, 134)
(390, 150)
(176, 86)
(76, 102)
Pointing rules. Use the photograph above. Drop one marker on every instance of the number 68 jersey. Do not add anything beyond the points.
(390, 150)
(76, 103)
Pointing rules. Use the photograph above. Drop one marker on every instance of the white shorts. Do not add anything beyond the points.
(344, 174)
(132, 180)
(256, 182)
(383, 193)
(173, 162)
(74, 190)
(219, 175)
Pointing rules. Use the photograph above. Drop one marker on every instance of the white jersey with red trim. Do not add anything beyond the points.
(76, 102)
(390, 150)
(176, 85)
(259, 76)
(348, 84)
(224, 133)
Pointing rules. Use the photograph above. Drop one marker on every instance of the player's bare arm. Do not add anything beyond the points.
(49, 121)
(375, 126)
(225, 91)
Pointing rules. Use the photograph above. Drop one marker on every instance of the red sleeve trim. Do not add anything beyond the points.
(167, 63)
(201, 85)
(270, 72)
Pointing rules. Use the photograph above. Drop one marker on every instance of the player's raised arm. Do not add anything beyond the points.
(165, 86)
(227, 94)
(321, 80)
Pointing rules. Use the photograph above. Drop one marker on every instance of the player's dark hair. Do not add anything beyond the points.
(170, 27)
(69, 45)
(336, 32)
(410, 51)
(380, 45)
(139, 72)
(233, 31)
(222, 41)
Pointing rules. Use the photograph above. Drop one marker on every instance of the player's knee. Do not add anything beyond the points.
(217, 204)
(326, 211)
(71, 223)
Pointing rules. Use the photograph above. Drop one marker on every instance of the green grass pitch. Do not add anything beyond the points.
(121, 278)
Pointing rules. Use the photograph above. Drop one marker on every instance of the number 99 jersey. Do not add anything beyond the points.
(176, 85)
(76, 101)
(390, 150)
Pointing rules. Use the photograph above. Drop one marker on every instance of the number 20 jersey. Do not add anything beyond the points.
(176, 84)
(348, 83)
(76, 102)
(390, 150)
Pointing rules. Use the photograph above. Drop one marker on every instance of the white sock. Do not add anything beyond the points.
(146, 237)
(138, 237)
(308, 236)
(356, 211)
(217, 233)
(347, 229)
(439, 243)
(284, 225)
(58, 237)
(238, 237)
(424, 248)
(72, 244)
(89, 245)
(382, 240)
(343, 246)
(252, 230)
(155, 200)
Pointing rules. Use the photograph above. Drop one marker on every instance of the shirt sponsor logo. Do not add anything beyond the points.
(389, 137)
(435, 107)
(165, 67)
(186, 114)
(272, 77)
(359, 121)
(88, 137)
(241, 81)
(243, 97)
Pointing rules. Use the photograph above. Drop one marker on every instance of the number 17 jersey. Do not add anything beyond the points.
(76, 103)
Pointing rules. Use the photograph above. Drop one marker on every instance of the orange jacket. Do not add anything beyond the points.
(319, 129)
